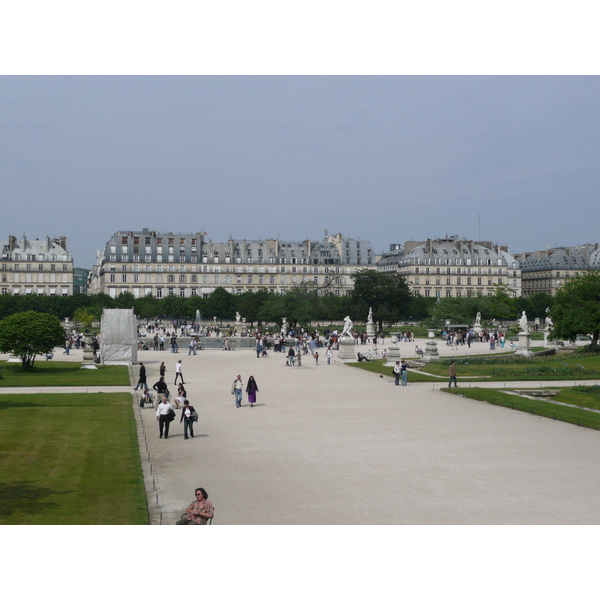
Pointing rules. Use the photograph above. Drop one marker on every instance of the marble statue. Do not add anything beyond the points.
(478, 319)
(237, 317)
(523, 322)
(549, 323)
(370, 319)
(347, 328)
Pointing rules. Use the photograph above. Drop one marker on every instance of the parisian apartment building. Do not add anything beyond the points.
(548, 270)
(148, 262)
(36, 266)
(452, 268)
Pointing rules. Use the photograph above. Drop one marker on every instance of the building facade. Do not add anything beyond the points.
(453, 268)
(42, 267)
(185, 264)
(548, 270)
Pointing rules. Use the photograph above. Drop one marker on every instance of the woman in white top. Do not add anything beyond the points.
(188, 420)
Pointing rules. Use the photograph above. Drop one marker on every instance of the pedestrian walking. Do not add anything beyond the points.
(291, 356)
(164, 415)
(162, 369)
(452, 374)
(161, 388)
(178, 373)
(316, 357)
(192, 347)
(236, 389)
(189, 416)
(404, 371)
(251, 389)
(142, 378)
(397, 371)
(329, 354)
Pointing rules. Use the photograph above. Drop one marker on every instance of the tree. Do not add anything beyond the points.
(84, 318)
(576, 309)
(387, 294)
(220, 304)
(27, 334)
(249, 303)
(297, 305)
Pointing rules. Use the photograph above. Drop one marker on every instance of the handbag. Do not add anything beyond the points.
(194, 416)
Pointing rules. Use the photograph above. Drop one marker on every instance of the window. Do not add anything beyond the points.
(124, 278)
(272, 279)
(216, 279)
(447, 280)
(479, 281)
(426, 293)
(459, 281)
(468, 280)
(182, 279)
(52, 267)
(112, 278)
(416, 281)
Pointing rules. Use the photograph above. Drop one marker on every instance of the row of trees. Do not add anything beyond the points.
(575, 309)
(387, 295)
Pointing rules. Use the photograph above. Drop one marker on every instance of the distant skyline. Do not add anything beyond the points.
(382, 158)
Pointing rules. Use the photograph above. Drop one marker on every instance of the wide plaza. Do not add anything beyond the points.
(332, 444)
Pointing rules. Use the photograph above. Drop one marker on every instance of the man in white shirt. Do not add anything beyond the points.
(163, 417)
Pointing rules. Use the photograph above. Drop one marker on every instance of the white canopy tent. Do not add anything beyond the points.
(118, 336)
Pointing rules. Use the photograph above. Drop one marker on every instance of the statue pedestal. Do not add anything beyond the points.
(346, 351)
(393, 352)
(13, 359)
(524, 344)
(88, 354)
(477, 328)
(431, 352)
(370, 330)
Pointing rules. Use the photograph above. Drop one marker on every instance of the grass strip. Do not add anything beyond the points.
(378, 366)
(62, 374)
(70, 459)
(568, 414)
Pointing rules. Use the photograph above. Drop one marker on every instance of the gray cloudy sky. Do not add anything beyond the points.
(385, 159)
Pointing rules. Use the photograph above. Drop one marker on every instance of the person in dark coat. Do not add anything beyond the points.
(142, 378)
(251, 389)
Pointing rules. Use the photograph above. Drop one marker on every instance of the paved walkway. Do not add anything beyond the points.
(331, 444)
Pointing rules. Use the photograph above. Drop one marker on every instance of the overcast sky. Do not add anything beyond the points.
(386, 159)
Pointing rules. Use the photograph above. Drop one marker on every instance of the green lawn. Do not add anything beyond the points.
(70, 459)
(61, 374)
(516, 368)
(573, 415)
(378, 366)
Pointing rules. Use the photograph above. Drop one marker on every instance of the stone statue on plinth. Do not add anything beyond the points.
(346, 343)
(524, 337)
(370, 325)
(478, 319)
(348, 325)
(523, 322)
